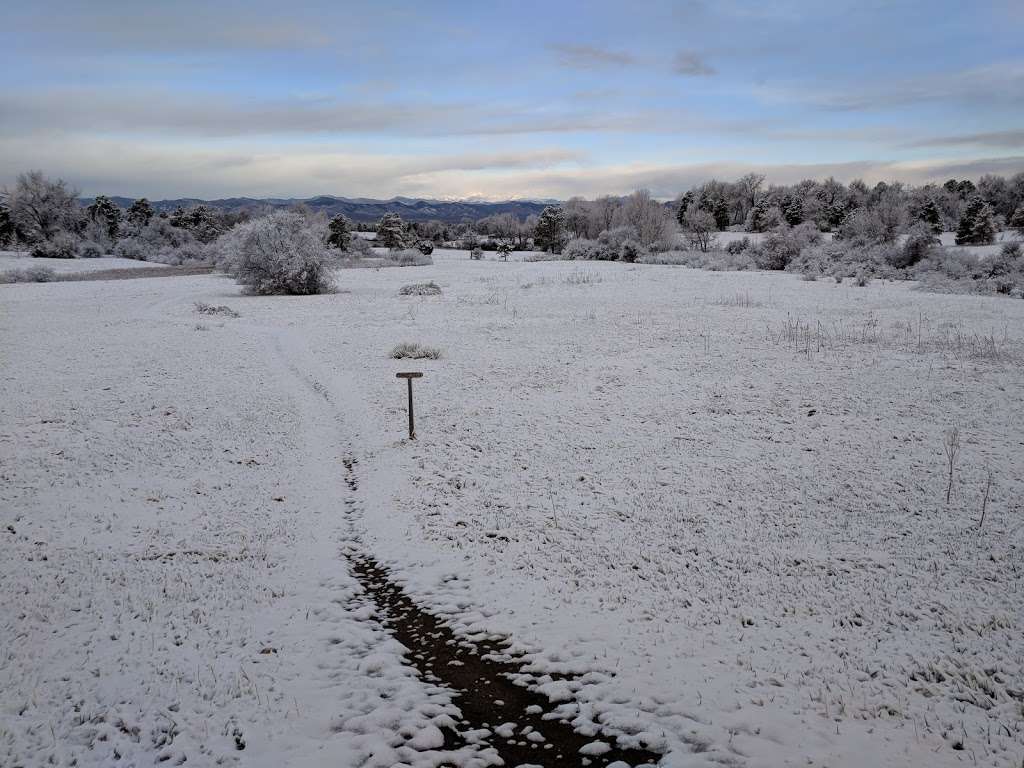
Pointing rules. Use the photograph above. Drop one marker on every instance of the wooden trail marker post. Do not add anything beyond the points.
(409, 376)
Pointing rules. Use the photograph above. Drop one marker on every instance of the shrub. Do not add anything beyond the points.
(281, 253)
(631, 250)
(736, 247)
(420, 289)
(159, 241)
(426, 247)
(583, 249)
(413, 351)
(62, 245)
(358, 248)
(33, 274)
(476, 254)
(784, 244)
(91, 250)
(409, 257)
(863, 227)
(919, 243)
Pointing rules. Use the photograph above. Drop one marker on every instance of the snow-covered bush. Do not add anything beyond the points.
(921, 240)
(282, 253)
(425, 247)
(91, 250)
(162, 242)
(784, 244)
(33, 274)
(582, 249)
(476, 254)
(736, 247)
(408, 257)
(62, 245)
(358, 248)
(413, 351)
(420, 289)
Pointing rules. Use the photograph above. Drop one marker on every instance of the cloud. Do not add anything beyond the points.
(162, 169)
(1012, 139)
(124, 111)
(993, 85)
(691, 64)
(589, 56)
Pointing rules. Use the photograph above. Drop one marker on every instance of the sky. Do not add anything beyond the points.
(501, 100)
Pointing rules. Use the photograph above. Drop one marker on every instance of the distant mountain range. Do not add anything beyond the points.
(361, 208)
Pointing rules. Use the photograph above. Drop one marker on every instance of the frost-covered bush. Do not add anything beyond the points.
(359, 248)
(784, 244)
(715, 261)
(91, 250)
(631, 250)
(476, 254)
(921, 240)
(413, 351)
(863, 227)
(425, 247)
(420, 289)
(62, 245)
(840, 259)
(282, 253)
(583, 249)
(736, 247)
(33, 274)
(408, 257)
(160, 241)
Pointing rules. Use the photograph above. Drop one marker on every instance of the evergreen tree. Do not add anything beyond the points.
(104, 212)
(930, 215)
(140, 213)
(792, 209)
(6, 224)
(976, 225)
(684, 205)
(759, 215)
(549, 235)
(339, 232)
(1017, 220)
(391, 231)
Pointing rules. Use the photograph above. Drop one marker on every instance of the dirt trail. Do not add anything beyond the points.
(498, 709)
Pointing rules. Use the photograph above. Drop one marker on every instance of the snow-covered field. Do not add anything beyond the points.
(21, 260)
(722, 493)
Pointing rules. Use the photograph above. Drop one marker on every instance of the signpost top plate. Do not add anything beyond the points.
(409, 375)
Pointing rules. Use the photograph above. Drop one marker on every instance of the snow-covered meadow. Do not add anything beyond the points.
(723, 495)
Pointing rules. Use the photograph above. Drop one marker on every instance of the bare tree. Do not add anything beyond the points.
(40, 208)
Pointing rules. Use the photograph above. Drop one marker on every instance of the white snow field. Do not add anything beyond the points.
(723, 495)
(20, 260)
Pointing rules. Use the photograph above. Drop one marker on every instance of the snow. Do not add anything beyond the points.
(19, 260)
(736, 535)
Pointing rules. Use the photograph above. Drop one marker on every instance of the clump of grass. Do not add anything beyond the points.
(220, 309)
(739, 299)
(581, 277)
(420, 289)
(412, 351)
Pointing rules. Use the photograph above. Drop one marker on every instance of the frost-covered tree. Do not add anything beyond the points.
(283, 253)
(339, 232)
(930, 215)
(648, 217)
(139, 213)
(792, 209)
(40, 208)
(757, 219)
(976, 225)
(6, 224)
(1017, 220)
(549, 234)
(699, 227)
(105, 213)
(201, 221)
(391, 231)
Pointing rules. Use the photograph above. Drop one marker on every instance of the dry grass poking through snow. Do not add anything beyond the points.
(414, 351)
